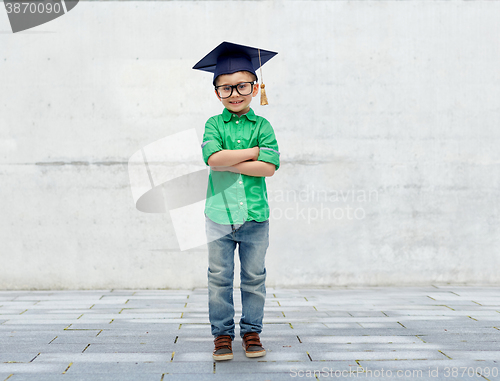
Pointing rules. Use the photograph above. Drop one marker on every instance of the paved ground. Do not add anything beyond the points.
(426, 333)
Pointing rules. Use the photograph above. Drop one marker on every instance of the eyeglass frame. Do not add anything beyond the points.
(232, 89)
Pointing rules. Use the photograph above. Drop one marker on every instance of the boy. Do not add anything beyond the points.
(241, 150)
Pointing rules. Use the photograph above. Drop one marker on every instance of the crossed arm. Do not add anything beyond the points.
(242, 161)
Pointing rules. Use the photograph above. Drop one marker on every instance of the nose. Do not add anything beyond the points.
(234, 93)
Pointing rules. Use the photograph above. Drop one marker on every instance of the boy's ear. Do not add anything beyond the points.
(255, 90)
(217, 95)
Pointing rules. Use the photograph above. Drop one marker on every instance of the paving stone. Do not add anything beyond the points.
(40, 321)
(306, 309)
(17, 357)
(446, 338)
(129, 316)
(377, 355)
(173, 310)
(474, 355)
(187, 331)
(415, 364)
(28, 318)
(122, 327)
(131, 348)
(141, 367)
(228, 377)
(193, 356)
(152, 303)
(437, 323)
(162, 298)
(111, 299)
(31, 367)
(374, 347)
(44, 348)
(84, 377)
(323, 328)
(64, 304)
(89, 325)
(459, 330)
(361, 331)
(119, 340)
(462, 303)
(394, 325)
(101, 358)
(291, 369)
(32, 327)
(361, 339)
(160, 321)
(278, 338)
(8, 339)
(69, 300)
(141, 330)
(10, 311)
(78, 312)
(107, 307)
(434, 369)
(77, 334)
(466, 346)
(475, 307)
(429, 312)
(199, 315)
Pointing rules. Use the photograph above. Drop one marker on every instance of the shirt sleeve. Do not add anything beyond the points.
(268, 145)
(212, 141)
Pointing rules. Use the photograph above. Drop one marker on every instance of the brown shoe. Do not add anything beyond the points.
(223, 350)
(251, 344)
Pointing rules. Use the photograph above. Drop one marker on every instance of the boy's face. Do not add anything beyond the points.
(236, 103)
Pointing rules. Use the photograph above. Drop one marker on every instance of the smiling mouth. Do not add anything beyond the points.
(236, 102)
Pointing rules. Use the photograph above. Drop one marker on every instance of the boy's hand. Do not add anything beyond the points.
(255, 151)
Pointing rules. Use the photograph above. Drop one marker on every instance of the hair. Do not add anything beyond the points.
(239, 71)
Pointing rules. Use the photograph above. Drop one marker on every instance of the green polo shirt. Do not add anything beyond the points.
(233, 198)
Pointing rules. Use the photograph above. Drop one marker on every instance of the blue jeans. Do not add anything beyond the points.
(253, 240)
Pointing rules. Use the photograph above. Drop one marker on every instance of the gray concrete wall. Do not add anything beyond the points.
(386, 113)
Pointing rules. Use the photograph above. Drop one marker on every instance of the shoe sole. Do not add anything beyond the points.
(256, 353)
(228, 356)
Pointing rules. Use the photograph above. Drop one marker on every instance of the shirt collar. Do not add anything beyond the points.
(227, 115)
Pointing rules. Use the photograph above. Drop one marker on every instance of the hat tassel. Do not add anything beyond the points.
(263, 96)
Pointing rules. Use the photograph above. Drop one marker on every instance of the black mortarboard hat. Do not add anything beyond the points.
(228, 58)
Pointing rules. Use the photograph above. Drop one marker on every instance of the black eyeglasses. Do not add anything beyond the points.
(243, 88)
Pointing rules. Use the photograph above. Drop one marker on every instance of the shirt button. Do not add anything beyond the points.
(239, 141)
(241, 182)
(237, 122)
(241, 203)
